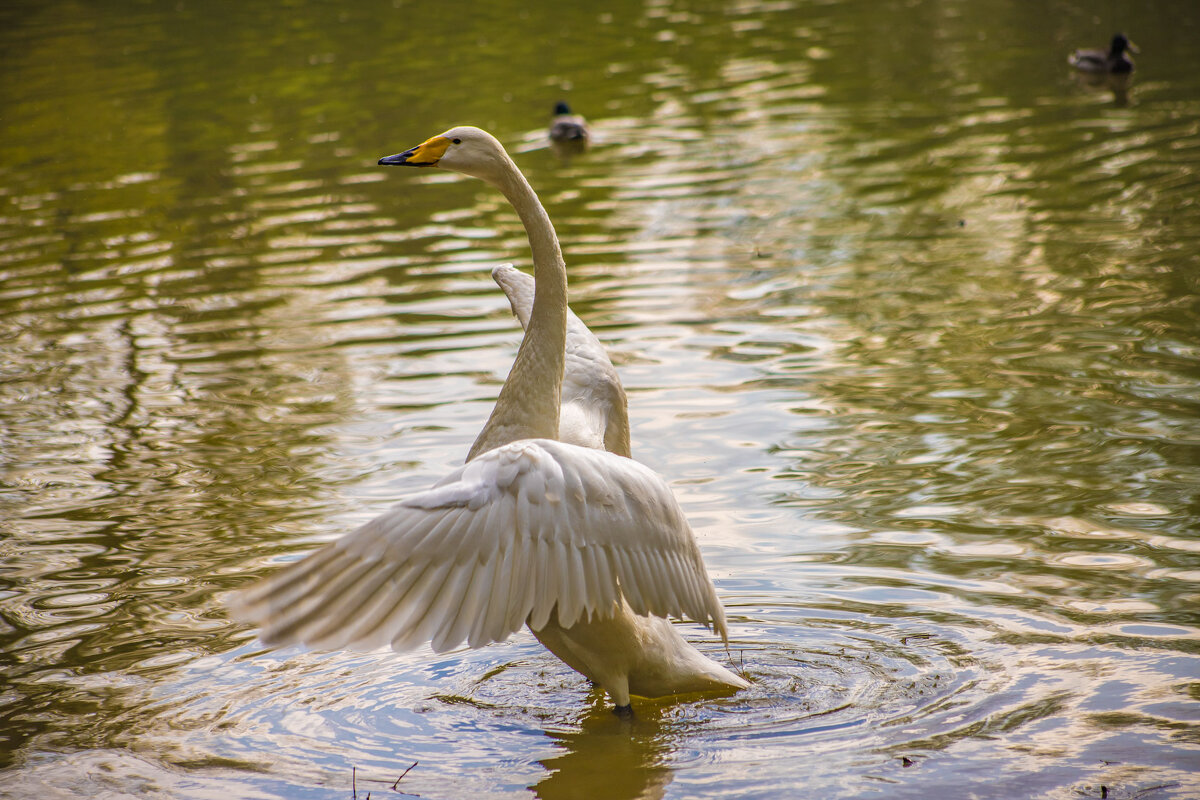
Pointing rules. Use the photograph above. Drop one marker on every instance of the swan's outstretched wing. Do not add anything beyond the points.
(523, 531)
(593, 410)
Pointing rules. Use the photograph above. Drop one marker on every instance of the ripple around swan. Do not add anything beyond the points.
(829, 686)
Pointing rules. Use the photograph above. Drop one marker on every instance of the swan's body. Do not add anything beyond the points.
(588, 548)
(644, 654)
(528, 531)
(1097, 62)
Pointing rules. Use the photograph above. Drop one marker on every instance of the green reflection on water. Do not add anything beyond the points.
(881, 274)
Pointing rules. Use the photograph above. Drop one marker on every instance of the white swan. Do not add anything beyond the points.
(580, 544)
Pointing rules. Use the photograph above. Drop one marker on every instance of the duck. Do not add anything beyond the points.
(1115, 62)
(548, 524)
(568, 127)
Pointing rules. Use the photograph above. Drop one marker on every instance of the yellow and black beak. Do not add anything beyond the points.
(427, 154)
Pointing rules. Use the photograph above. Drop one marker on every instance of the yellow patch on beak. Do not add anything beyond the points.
(428, 152)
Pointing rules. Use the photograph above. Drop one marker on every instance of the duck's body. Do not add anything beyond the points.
(587, 547)
(1098, 62)
(568, 127)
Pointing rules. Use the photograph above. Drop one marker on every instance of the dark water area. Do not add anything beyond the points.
(908, 313)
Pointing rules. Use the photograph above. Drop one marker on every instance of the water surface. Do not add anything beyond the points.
(909, 318)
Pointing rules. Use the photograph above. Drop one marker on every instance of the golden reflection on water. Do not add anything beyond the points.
(628, 760)
(907, 316)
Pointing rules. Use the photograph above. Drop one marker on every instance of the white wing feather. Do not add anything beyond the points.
(527, 530)
(593, 410)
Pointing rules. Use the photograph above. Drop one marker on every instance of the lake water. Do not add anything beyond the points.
(909, 318)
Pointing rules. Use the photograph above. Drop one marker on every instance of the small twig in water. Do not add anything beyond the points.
(402, 774)
(740, 668)
(395, 785)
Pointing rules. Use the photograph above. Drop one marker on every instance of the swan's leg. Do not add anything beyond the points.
(618, 689)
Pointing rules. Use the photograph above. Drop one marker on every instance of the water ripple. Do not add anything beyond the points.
(907, 317)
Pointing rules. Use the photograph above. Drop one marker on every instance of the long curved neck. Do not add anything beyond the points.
(527, 407)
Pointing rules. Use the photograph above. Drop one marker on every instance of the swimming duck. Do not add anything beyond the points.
(1115, 61)
(568, 127)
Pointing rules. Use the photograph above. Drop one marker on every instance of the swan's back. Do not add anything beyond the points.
(594, 409)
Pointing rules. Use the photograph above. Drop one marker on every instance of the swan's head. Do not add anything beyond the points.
(464, 149)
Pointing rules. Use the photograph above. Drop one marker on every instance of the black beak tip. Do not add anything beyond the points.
(394, 161)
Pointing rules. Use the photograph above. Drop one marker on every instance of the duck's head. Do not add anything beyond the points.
(561, 108)
(464, 149)
(1120, 44)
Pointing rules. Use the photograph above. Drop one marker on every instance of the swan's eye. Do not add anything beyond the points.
(457, 141)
